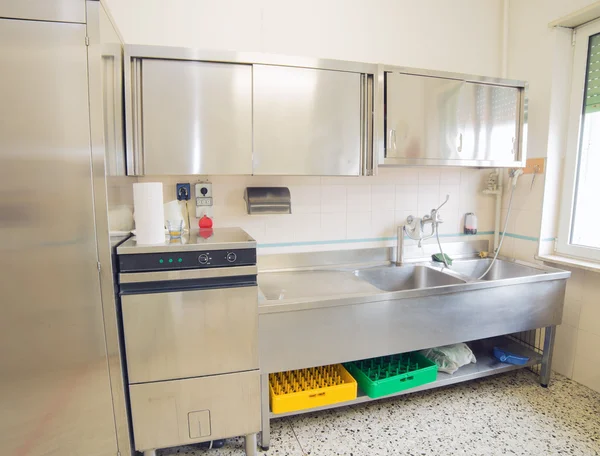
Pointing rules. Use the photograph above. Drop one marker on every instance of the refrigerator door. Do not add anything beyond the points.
(55, 396)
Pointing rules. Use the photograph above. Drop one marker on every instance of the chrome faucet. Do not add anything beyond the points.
(414, 228)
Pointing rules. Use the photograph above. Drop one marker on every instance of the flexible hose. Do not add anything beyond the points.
(437, 236)
(512, 192)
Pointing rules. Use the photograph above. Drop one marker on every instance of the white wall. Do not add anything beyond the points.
(541, 56)
(461, 35)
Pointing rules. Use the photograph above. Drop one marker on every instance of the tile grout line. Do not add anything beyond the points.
(297, 439)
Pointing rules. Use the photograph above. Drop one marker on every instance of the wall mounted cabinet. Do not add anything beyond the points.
(445, 119)
(200, 112)
(190, 112)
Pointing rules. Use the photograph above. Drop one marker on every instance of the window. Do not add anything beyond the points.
(579, 227)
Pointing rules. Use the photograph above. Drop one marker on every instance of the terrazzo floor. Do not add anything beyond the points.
(507, 414)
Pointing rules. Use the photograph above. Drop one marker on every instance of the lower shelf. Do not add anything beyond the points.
(486, 365)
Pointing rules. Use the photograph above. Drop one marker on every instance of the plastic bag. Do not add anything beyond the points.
(450, 357)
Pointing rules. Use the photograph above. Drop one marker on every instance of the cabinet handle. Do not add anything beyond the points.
(392, 139)
(460, 143)
(136, 161)
(512, 150)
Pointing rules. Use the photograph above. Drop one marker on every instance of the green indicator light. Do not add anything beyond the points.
(170, 260)
(180, 260)
(161, 261)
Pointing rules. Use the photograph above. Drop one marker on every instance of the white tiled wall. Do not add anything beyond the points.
(577, 352)
(525, 218)
(577, 346)
(347, 208)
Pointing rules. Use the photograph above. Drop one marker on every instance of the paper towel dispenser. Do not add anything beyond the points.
(268, 200)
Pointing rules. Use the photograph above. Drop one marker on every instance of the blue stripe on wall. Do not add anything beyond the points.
(524, 238)
(390, 238)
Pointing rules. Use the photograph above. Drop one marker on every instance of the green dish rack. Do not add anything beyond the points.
(391, 374)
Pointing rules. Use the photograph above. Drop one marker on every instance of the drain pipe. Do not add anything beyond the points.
(500, 171)
(505, 16)
(498, 196)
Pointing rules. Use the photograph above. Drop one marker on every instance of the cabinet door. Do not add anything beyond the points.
(181, 334)
(44, 10)
(196, 117)
(306, 121)
(193, 410)
(488, 119)
(422, 117)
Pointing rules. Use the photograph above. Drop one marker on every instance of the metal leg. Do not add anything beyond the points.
(265, 436)
(150, 453)
(250, 444)
(546, 368)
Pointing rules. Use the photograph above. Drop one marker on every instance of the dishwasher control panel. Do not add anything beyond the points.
(195, 259)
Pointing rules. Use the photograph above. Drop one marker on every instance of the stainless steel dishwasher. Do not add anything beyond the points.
(189, 313)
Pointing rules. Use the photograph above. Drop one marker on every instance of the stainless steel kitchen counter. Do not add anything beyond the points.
(332, 307)
(332, 286)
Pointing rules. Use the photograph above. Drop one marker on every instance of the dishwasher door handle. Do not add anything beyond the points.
(187, 274)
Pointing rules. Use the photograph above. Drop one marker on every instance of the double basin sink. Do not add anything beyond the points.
(411, 277)
(338, 282)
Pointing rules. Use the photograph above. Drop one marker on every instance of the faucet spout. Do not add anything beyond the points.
(414, 229)
(400, 246)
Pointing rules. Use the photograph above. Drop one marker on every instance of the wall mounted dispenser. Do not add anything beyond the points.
(268, 200)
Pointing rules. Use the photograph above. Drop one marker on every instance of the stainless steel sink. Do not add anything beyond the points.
(500, 270)
(407, 277)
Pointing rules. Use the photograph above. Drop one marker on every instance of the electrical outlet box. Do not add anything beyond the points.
(184, 192)
(204, 190)
(535, 166)
(204, 199)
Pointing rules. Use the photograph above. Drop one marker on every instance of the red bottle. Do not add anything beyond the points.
(205, 225)
(205, 222)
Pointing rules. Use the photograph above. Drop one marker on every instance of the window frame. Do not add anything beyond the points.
(571, 160)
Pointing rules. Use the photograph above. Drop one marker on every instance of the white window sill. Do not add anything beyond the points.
(572, 262)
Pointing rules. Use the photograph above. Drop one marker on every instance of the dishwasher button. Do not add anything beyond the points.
(231, 257)
(203, 258)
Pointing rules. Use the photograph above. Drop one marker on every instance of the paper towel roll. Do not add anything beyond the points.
(149, 212)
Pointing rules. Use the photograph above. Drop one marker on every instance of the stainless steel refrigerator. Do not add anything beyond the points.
(58, 344)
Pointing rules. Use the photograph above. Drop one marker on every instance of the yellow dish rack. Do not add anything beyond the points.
(308, 388)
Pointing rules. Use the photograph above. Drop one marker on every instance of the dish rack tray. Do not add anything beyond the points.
(385, 375)
(308, 388)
